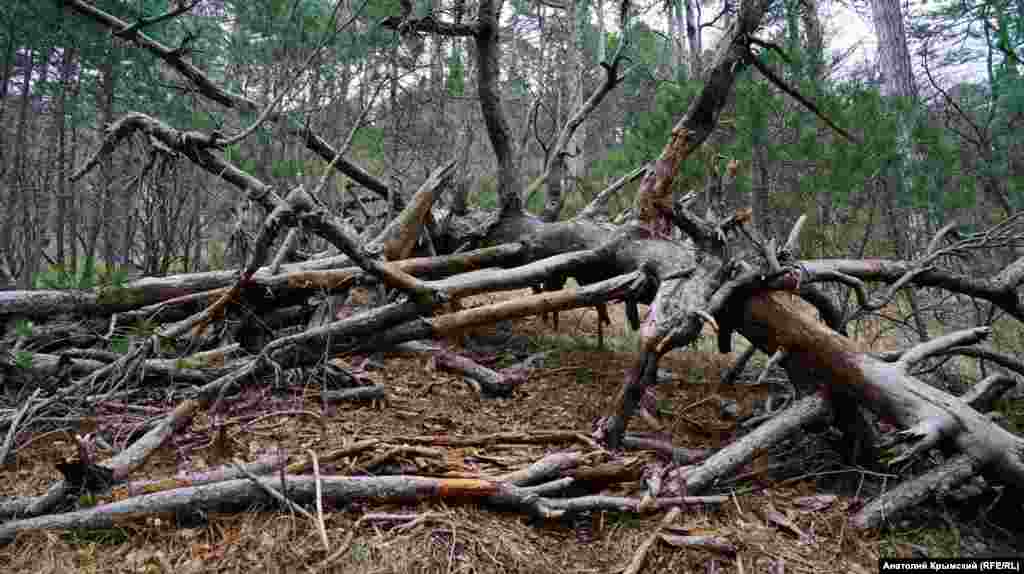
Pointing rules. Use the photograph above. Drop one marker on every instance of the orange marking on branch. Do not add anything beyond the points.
(467, 487)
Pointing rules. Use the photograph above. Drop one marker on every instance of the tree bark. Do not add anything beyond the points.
(488, 70)
(693, 39)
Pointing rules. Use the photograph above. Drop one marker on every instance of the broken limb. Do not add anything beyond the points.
(368, 393)
(617, 288)
(238, 494)
(121, 465)
(914, 491)
(491, 383)
(731, 458)
(678, 455)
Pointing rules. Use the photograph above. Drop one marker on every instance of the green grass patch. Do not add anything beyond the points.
(937, 541)
(96, 536)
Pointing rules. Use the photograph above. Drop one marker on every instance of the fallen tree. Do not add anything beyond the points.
(686, 283)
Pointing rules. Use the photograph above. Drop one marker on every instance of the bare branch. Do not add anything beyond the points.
(144, 22)
(600, 201)
(782, 85)
(937, 345)
(431, 25)
(987, 391)
(216, 93)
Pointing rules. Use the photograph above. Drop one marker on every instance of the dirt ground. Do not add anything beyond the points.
(575, 387)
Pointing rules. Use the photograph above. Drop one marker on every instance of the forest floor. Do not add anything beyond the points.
(574, 387)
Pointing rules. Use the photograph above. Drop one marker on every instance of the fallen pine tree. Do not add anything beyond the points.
(722, 274)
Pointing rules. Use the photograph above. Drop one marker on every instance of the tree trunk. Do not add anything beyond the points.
(60, 132)
(5, 81)
(760, 189)
(898, 85)
(693, 39)
(488, 64)
(19, 174)
(102, 206)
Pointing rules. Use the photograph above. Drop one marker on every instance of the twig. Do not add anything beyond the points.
(536, 437)
(641, 553)
(736, 369)
(270, 491)
(319, 502)
(286, 247)
(350, 450)
(601, 199)
(776, 358)
(13, 430)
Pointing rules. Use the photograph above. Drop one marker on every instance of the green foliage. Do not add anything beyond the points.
(369, 142)
(939, 540)
(23, 328)
(535, 203)
(285, 168)
(59, 277)
(584, 376)
(646, 133)
(486, 196)
(120, 344)
(455, 84)
(360, 552)
(23, 359)
(215, 254)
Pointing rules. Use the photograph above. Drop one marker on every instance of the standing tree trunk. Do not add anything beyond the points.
(898, 85)
(693, 39)
(488, 71)
(60, 134)
(576, 162)
(19, 177)
(760, 190)
(103, 206)
(37, 200)
(5, 78)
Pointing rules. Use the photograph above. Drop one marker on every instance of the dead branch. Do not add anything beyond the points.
(273, 493)
(599, 204)
(238, 494)
(678, 455)
(999, 290)
(535, 437)
(637, 562)
(25, 409)
(729, 459)
(631, 285)
(369, 393)
(547, 468)
(653, 199)
(733, 374)
(987, 391)
(214, 92)
(718, 544)
(909, 493)
(938, 345)
(491, 383)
